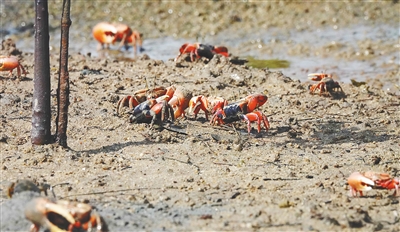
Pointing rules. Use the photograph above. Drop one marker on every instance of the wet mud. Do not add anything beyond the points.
(190, 175)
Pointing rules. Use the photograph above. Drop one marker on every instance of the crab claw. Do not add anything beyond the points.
(358, 183)
(318, 76)
(43, 212)
(198, 103)
(254, 101)
(104, 33)
(180, 101)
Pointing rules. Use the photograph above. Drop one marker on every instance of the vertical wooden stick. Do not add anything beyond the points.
(41, 111)
(63, 80)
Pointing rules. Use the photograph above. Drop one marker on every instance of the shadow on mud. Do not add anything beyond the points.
(111, 148)
(332, 132)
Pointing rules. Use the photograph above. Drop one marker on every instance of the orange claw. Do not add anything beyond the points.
(180, 101)
(359, 183)
(104, 33)
(221, 50)
(254, 101)
(9, 63)
(198, 103)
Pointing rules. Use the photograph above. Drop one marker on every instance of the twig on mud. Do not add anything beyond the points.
(173, 130)
(180, 161)
(111, 191)
(279, 178)
(218, 163)
(209, 147)
(269, 162)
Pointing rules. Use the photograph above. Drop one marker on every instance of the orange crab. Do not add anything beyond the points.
(241, 111)
(206, 104)
(365, 181)
(198, 50)
(108, 33)
(326, 83)
(63, 216)
(9, 63)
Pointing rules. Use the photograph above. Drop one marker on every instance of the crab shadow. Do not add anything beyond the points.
(331, 132)
(111, 148)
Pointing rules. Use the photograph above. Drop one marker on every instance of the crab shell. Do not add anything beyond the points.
(62, 216)
(43, 212)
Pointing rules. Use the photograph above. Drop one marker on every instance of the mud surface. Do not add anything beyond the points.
(189, 175)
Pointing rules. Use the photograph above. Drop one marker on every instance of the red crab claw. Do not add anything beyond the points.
(104, 33)
(43, 212)
(318, 76)
(188, 48)
(254, 101)
(221, 50)
(359, 183)
(198, 103)
(258, 117)
(218, 117)
(384, 180)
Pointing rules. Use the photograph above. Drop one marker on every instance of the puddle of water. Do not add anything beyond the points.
(301, 65)
(166, 48)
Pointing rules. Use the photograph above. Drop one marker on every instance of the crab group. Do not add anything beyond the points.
(160, 104)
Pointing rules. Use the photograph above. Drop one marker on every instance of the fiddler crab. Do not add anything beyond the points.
(365, 181)
(108, 33)
(326, 84)
(9, 63)
(198, 50)
(63, 215)
(160, 103)
(224, 113)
